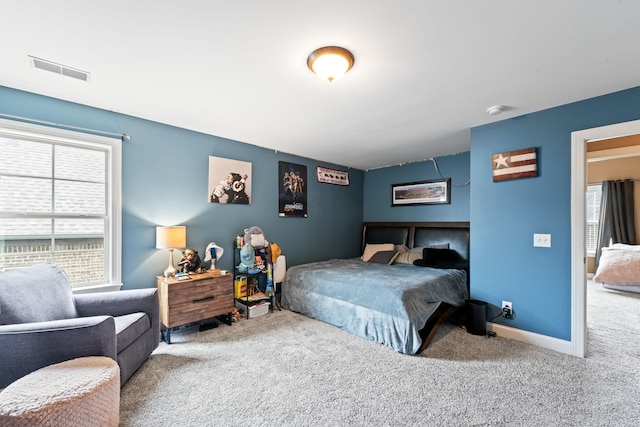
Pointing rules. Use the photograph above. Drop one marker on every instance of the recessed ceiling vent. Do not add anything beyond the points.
(43, 64)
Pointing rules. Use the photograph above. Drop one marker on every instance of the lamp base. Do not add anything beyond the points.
(171, 270)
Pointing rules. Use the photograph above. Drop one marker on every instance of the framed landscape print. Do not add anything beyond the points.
(421, 193)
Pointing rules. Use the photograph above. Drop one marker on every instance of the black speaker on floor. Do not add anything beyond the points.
(476, 317)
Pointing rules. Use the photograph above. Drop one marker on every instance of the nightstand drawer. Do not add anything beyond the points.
(194, 311)
(190, 291)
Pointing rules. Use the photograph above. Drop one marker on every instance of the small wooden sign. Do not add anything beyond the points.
(332, 176)
(514, 164)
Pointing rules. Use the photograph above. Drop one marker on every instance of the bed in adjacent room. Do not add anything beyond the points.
(382, 295)
(619, 268)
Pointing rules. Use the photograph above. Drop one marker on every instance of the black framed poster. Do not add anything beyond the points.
(292, 190)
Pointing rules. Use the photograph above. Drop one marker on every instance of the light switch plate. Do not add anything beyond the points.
(542, 240)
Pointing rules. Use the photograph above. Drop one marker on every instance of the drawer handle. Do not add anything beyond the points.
(203, 299)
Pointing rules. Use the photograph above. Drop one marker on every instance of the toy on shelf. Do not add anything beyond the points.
(212, 254)
(190, 261)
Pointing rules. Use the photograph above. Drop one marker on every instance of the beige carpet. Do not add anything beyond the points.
(285, 369)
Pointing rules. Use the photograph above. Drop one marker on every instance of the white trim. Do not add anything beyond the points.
(53, 135)
(579, 141)
(544, 341)
(115, 193)
(113, 287)
(578, 247)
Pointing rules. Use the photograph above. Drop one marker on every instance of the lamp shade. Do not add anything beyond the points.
(330, 62)
(173, 237)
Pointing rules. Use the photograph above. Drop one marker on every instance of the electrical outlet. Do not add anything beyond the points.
(542, 240)
(507, 309)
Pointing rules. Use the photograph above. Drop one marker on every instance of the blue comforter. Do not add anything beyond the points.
(388, 304)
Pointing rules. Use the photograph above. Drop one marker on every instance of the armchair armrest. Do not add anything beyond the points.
(27, 347)
(120, 303)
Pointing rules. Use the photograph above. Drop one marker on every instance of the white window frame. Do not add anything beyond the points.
(113, 149)
(592, 252)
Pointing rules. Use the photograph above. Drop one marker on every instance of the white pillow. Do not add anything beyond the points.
(372, 248)
(401, 248)
(618, 267)
(407, 257)
(624, 246)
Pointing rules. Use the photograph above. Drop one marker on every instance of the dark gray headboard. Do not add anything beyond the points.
(417, 234)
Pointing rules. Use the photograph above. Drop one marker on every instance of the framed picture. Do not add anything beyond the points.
(229, 181)
(421, 193)
(292, 190)
(332, 176)
(514, 164)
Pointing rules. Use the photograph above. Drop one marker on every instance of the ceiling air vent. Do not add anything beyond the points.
(43, 64)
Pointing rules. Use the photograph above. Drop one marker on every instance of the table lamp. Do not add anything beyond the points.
(174, 237)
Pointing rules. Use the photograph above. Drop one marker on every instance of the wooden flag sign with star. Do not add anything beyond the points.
(514, 164)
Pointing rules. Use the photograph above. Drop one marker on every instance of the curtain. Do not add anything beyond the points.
(617, 224)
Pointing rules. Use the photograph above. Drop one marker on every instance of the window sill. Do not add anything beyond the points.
(109, 287)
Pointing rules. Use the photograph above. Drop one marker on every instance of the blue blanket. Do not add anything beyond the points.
(388, 304)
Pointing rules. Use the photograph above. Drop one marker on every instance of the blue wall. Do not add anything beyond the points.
(377, 190)
(505, 215)
(165, 182)
(160, 160)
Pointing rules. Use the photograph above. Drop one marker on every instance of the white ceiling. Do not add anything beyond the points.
(425, 71)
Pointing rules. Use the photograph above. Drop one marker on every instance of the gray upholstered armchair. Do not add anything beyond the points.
(42, 322)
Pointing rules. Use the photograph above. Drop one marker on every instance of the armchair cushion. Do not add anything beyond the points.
(122, 303)
(129, 328)
(35, 294)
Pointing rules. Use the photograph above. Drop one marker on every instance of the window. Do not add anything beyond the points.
(592, 217)
(60, 202)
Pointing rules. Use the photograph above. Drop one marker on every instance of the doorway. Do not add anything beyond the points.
(579, 141)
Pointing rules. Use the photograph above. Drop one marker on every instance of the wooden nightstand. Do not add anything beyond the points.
(201, 297)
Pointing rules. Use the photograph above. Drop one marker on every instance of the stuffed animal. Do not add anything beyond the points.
(190, 261)
(247, 258)
(260, 263)
(255, 237)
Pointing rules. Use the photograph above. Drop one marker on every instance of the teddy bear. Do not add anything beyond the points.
(255, 237)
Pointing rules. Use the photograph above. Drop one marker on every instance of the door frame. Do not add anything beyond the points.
(579, 141)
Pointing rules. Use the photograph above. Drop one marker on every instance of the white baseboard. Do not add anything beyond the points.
(544, 341)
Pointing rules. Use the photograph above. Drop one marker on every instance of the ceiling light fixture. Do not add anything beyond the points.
(496, 109)
(330, 62)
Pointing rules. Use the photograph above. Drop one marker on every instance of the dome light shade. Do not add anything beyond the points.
(496, 109)
(330, 62)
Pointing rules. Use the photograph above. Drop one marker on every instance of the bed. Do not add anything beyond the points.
(389, 300)
(619, 268)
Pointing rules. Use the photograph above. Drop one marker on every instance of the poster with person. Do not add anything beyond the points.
(292, 193)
